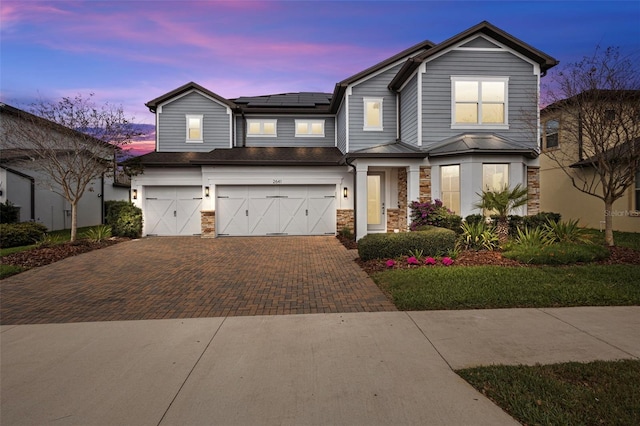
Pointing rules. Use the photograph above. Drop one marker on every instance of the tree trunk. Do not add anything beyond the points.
(503, 230)
(608, 223)
(74, 221)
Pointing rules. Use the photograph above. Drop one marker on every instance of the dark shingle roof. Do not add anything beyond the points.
(396, 149)
(255, 156)
(485, 143)
(625, 152)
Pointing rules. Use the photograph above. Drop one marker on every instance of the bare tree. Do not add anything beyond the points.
(596, 102)
(71, 142)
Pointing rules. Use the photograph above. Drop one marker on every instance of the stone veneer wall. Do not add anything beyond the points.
(397, 218)
(208, 223)
(425, 184)
(345, 219)
(533, 190)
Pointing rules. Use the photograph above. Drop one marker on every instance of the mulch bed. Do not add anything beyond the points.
(619, 255)
(45, 255)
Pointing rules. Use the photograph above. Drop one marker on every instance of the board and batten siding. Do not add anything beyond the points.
(286, 133)
(436, 94)
(172, 124)
(409, 112)
(375, 87)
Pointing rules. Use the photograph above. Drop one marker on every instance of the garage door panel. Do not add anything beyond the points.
(277, 210)
(172, 210)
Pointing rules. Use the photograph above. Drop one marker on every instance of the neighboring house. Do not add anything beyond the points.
(434, 121)
(564, 142)
(33, 192)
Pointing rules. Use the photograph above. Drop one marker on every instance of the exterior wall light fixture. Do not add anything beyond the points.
(134, 194)
(206, 191)
(345, 192)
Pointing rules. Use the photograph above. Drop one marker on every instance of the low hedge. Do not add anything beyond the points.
(432, 242)
(21, 234)
(124, 218)
(557, 254)
(9, 213)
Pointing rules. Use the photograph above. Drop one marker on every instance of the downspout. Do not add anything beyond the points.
(101, 195)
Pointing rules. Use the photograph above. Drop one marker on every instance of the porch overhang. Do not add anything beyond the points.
(485, 143)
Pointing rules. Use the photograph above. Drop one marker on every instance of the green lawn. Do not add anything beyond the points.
(596, 393)
(479, 287)
(622, 239)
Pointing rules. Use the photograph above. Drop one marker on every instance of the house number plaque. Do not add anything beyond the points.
(277, 181)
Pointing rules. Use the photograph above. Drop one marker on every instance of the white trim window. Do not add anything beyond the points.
(194, 128)
(372, 114)
(310, 128)
(262, 128)
(479, 102)
(495, 177)
(450, 187)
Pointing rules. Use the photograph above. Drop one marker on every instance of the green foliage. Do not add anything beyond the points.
(8, 270)
(453, 222)
(478, 236)
(20, 234)
(473, 219)
(98, 233)
(531, 237)
(556, 254)
(347, 232)
(565, 232)
(503, 201)
(9, 213)
(124, 218)
(418, 253)
(49, 240)
(623, 239)
(595, 393)
(434, 242)
(540, 219)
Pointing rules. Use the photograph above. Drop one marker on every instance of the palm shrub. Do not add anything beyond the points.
(478, 236)
(503, 202)
(569, 231)
(532, 237)
(98, 234)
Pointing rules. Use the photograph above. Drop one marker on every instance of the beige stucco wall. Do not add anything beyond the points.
(557, 194)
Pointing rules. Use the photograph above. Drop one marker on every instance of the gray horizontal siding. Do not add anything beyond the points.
(409, 112)
(286, 133)
(172, 124)
(341, 122)
(436, 93)
(375, 87)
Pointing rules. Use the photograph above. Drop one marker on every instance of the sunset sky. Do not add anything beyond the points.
(129, 52)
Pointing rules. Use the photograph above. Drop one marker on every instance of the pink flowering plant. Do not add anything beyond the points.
(412, 260)
(447, 261)
(429, 261)
(434, 214)
(391, 263)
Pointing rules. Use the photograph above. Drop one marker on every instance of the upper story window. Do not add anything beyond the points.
(194, 128)
(262, 127)
(479, 102)
(551, 131)
(310, 128)
(372, 114)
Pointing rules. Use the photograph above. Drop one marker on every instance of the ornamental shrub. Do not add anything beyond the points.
(434, 214)
(124, 218)
(21, 234)
(473, 219)
(9, 213)
(434, 242)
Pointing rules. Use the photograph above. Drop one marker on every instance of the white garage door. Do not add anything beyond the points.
(172, 210)
(276, 210)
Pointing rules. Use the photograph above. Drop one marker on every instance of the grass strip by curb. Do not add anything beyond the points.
(595, 393)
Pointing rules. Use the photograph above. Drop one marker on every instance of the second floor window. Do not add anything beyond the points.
(372, 114)
(194, 128)
(479, 102)
(551, 130)
(310, 128)
(262, 128)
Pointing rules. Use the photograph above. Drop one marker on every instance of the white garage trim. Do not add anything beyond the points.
(275, 210)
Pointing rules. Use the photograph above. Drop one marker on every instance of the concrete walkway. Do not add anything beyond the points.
(321, 369)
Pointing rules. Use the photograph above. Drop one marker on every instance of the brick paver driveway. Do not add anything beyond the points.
(189, 277)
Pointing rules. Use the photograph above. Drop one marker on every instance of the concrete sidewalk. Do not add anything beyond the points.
(339, 369)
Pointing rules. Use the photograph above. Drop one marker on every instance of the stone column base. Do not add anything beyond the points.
(208, 223)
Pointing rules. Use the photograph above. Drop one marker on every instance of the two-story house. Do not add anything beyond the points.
(577, 133)
(436, 121)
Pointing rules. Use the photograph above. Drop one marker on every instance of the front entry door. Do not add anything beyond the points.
(376, 212)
